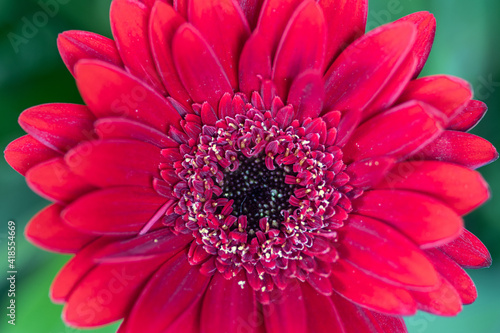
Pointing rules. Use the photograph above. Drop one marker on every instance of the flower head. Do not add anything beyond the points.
(256, 166)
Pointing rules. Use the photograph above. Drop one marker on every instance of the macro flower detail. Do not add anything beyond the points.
(256, 166)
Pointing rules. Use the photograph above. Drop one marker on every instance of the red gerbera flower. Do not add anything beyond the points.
(256, 166)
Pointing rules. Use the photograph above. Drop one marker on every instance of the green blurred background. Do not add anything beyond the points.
(467, 45)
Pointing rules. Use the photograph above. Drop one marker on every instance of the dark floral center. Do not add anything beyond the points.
(258, 192)
(258, 189)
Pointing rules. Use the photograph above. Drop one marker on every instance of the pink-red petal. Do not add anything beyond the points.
(47, 230)
(460, 188)
(356, 319)
(171, 291)
(461, 148)
(468, 117)
(161, 242)
(107, 292)
(443, 301)
(163, 24)
(397, 133)
(306, 95)
(256, 57)
(395, 258)
(129, 24)
(251, 9)
(425, 23)
(468, 251)
(367, 173)
(446, 93)
(364, 68)
(55, 181)
(77, 45)
(198, 66)
(425, 220)
(121, 128)
(322, 316)
(235, 299)
(110, 92)
(114, 211)
(58, 126)
(223, 25)
(302, 46)
(116, 162)
(75, 269)
(26, 152)
(452, 272)
(370, 292)
(346, 20)
(286, 313)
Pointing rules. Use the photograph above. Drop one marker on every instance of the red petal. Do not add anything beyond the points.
(77, 45)
(223, 25)
(392, 90)
(150, 3)
(107, 293)
(446, 93)
(468, 251)
(234, 298)
(346, 22)
(349, 121)
(398, 132)
(460, 188)
(75, 270)
(129, 24)
(108, 91)
(365, 67)
(286, 313)
(113, 211)
(121, 128)
(452, 272)
(382, 323)
(54, 180)
(47, 230)
(181, 6)
(306, 95)
(163, 24)
(25, 152)
(58, 126)
(444, 301)
(322, 317)
(251, 9)
(461, 148)
(368, 173)
(198, 67)
(302, 46)
(425, 220)
(261, 47)
(370, 292)
(468, 117)
(161, 242)
(356, 319)
(170, 292)
(115, 162)
(426, 30)
(395, 258)
(188, 321)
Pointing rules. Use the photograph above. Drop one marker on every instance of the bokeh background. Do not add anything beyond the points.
(467, 45)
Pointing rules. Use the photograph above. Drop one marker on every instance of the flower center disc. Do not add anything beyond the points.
(259, 191)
